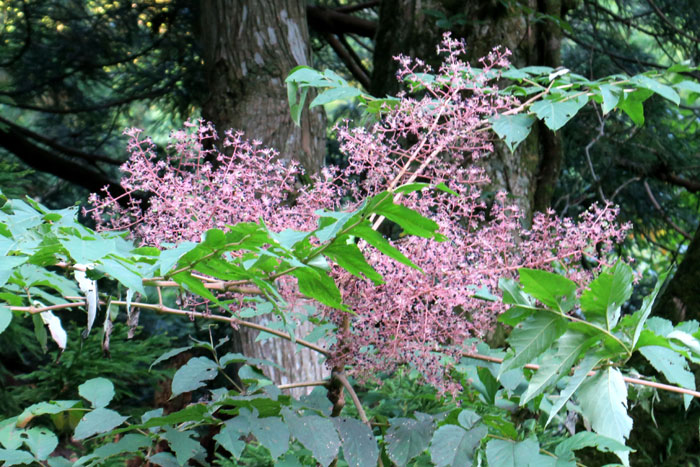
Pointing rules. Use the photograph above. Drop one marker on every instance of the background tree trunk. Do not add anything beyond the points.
(249, 47)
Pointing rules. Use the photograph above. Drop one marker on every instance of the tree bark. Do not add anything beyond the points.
(530, 173)
(249, 48)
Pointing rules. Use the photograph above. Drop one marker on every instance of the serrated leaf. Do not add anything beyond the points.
(169, 258)
(452, 445)
(169, 354)
(410, 221)
(556, 113)
(121, 273)
(673, 366)
(164, 459)
(587, 364)
(98, 421)
(603, 400)
(535, 335)
(512, 129)
(99, 391)
(502, 453)
(42, 408)
(193, 375)
(359, 445)
(8, 264)
(551, 289)
(130, 443)
(663, 90)
(375, 239)
(182, 443)
(315, 433)
(318, 285)
(571, 344)
(640, 317)
(603, 299)
(406, 438)
(349, 257)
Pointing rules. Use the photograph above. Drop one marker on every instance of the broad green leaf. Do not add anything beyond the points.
(5, 318)
(98, 421)
(316, 284)
(99, 391)
(640, 317)
(169, 258)
(164, 459)
(556, 113)
(121, 273)
(632, 105)
(271, 432)
(556, 365)
(228, 438)
(452, 445)
(315, 433)
(40, 331)
(334, 94)
(191, 413)
(553, 290)
(587, 439)
(407, 437)
(359, 445)
(193, 375)
(603, 400)
(194, 285)
(686, 340)
(15, 457)
(688, 85)
(468, 418)
(663, 90)
(673, 366)
(42, 408)
(512, 129)
(169, 354)
(182, 443)
(489, 383)
(338, 222)
(532, 337)
(41, 441)
(89, 250)
(602, 301)
(7, 264)
(349, 257)
(128, 444)
(587, 364)
(374, 238)
(611, 96)
(502, 453)
(411, 221)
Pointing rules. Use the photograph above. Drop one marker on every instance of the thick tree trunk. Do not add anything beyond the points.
(530, 173)
(249, 47)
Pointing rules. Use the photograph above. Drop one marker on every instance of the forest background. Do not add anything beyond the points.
(74, 75)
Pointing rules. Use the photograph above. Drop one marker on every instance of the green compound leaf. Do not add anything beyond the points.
(452, 445)
(41, 441)
(99, 391)
(553, 290)
(183, 444)
(192, 375)
(15, 457)
(602, 301)
(98, 421)
(130, 443)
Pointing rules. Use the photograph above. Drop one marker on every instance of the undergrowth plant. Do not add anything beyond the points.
(403, 256)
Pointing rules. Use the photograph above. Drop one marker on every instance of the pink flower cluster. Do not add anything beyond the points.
(432, 135)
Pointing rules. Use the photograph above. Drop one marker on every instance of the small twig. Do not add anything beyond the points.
(666, 217)
(355, 400)
(587, 150)
(304, 384)
(532, 366)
